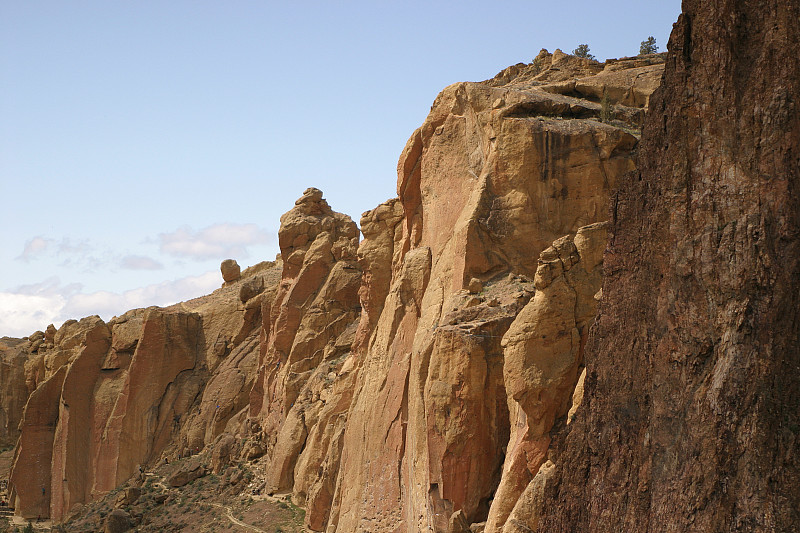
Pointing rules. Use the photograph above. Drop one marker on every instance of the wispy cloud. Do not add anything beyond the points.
(34, 248)
(65, 253)
(107, 304)
(69, 247)
(218, 241)
(32, 307)
(139, 262)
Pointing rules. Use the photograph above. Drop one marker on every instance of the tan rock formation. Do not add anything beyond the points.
(130, 389)
(230, 270)
(408, 383)
(302, 390)
(377, 254)
(159, 386)
(76, 432)
(491, 179)
(31, 474)
(543, 349)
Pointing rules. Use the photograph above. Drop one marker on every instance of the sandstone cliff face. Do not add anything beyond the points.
(543, 350)
(303, 387)
(110, 397)
(492, 178)
(409, 382)
(689, 420)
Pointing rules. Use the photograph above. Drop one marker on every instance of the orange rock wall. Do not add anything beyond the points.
(111, 397)
(409, 382)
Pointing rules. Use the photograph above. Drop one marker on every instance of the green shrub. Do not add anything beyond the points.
(583, 51)
(648, 46)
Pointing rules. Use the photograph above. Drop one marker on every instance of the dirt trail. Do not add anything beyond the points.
(20, 522)
(229, 513)
(228, 510)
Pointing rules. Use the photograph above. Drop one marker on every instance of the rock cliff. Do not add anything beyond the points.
(689, 419)
(448, 372)
(408, 381)
(498, 171)
(109, 397)
(14, 390)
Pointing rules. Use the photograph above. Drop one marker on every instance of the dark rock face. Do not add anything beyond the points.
(691, 414)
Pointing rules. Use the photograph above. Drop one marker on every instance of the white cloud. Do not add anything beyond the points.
(32, 307)
(140, 262)
(219, 241)
(49, 287)
(35, 247)
(107, 304)
(22, 314)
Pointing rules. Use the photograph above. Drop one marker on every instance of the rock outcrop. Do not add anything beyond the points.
(13, 389)
(498, 172)
(304, 387)
(542, 352)
(689, 420)
(230, 269)
(108, 398)
(406, 382)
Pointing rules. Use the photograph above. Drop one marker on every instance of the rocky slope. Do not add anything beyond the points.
(444, 373)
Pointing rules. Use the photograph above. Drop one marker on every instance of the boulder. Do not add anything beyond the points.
(188, 471)
(128, 496)
(117, 521)
(230, 270)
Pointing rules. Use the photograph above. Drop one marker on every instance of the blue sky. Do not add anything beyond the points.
(143, 142)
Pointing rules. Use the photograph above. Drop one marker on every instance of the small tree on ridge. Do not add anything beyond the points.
(648, 46)
(583, 51)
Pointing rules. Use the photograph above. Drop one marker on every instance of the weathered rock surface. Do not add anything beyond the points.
(491, 179)
(302, 389)
(110, 397)
(543, 350)
(117, 521)
(31, 474)
(13, 389)
(128, 496)
(230, 269)
(410, 382)
(188, 471)
(689, 420)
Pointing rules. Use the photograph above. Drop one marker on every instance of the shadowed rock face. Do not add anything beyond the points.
(13, 390)
(691, 408)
